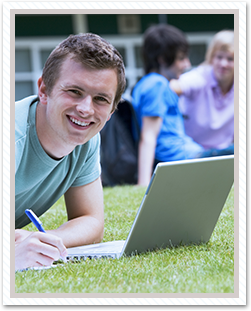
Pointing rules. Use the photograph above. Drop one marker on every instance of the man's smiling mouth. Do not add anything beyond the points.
(79, 122)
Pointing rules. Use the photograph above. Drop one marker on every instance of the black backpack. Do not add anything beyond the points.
(119, 147)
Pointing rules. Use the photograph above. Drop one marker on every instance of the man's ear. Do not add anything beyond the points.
(109, 117)
(42, 94)
(161, 61)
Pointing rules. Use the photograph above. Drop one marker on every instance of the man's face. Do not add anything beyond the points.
(80, 103)
(223, 66)
(180, 64)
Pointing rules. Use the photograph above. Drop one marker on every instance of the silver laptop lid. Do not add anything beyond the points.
(182, 204)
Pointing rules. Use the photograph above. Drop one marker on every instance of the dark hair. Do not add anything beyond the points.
(92, 51)
(162, 41)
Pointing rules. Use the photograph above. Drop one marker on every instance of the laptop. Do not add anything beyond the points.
(181, 206)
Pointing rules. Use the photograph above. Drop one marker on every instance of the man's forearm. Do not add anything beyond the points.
(80, 231)
(146, 160)
(148, 140)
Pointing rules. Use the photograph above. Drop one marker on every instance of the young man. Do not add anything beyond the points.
(207, 96)
(57, 146)
(162, 131)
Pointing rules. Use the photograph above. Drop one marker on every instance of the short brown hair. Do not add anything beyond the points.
(92, 51)
(162, 41)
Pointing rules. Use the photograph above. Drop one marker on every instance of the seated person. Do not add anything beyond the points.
(207, 96)
(162, 135)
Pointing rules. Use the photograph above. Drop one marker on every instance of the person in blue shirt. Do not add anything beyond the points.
(162, 134)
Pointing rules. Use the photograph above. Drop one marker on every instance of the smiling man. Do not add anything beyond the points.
(57, 146)
(207, 96)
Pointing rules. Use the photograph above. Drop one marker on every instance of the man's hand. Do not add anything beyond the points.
(34, 249)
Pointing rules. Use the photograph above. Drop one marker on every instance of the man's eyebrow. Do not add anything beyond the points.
(73, 86)
(105, 95)
(69, 86)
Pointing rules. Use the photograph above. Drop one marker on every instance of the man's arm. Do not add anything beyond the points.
(85, 226)
(175, 86)
(85, 211)
(148, 138)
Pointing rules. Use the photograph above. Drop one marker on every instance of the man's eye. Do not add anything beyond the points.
(75, 92)
(102, 99)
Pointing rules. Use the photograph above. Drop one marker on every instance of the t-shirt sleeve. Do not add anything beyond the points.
(21, 114)
(19, 146)
(153, 100)
(90, 169)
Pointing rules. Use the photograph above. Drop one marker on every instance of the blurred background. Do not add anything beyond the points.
(37, 35)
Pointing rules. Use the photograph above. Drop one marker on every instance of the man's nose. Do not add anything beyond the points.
(85, 106)
(187, 63)
(224, 62)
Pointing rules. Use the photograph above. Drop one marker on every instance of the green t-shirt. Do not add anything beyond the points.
(40, 180)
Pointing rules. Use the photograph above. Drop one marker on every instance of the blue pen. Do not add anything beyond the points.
(33, 217)
(35, 220)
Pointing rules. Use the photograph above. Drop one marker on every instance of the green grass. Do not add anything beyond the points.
(207, 268)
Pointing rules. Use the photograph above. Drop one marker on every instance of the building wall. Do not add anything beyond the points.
(36, 35)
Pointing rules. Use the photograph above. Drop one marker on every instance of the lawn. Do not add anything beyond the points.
(207, 268)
